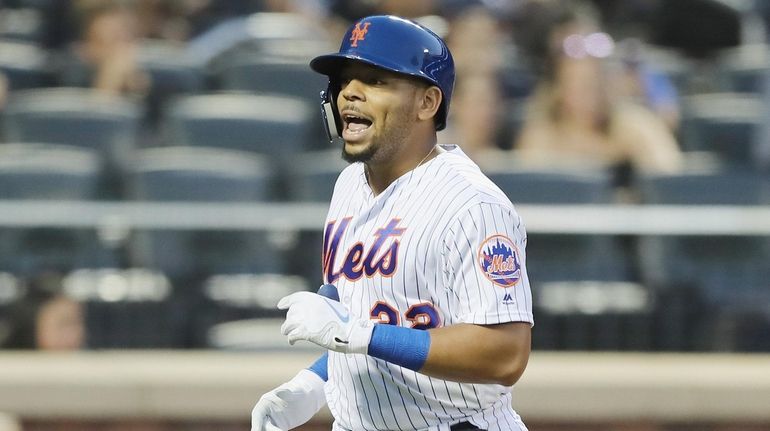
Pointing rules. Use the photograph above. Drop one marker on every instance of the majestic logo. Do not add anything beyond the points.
(508, 299)
(499, 261)
(380, 258)
(359, 33)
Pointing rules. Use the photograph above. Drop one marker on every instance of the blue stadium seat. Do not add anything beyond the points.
(193, 174)
(278, 127)
(24, 65)
(726, 124)
(729, 273)
(723, 266)
(270, 125)
(277, 76)
(22, 23)
(744, 69)
(48, 172)
(230, 300)
(313, 177)
(559, 257)
(171, 74)
(11, 290)
(314, 174)
(129, 308)
(80, 118)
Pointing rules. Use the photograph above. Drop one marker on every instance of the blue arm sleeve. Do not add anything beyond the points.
(401, 346)
(320, 367)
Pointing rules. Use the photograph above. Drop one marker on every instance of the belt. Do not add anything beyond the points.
(463, 426)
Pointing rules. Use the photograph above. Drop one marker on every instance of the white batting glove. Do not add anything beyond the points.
(312, 317)
(289, 405)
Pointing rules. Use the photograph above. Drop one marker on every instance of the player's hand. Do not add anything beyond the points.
(289, 405)
(312, 317)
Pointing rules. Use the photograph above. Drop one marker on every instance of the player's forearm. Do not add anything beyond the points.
(479, 354)
(461, 353)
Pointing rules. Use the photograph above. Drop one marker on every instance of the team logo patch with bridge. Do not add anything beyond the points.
(499, 260)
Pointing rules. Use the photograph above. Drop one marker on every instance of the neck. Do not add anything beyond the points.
(381, 175)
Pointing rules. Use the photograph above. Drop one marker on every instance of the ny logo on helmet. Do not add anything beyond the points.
(359, 33)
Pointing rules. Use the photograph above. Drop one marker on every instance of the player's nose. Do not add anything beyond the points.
(353, 90)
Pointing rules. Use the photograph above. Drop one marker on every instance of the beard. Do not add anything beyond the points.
(363, 156)
(383, 147)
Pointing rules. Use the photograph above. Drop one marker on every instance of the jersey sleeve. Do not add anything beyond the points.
(483, 262)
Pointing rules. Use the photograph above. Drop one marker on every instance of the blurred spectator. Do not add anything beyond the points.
(643, 84)
(473, 117)
(574, 116)
(46, 318)
(475, 41)
(352, 10)
(166, 19)
(107, 48)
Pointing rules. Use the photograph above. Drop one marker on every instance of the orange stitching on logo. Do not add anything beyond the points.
(359, 33)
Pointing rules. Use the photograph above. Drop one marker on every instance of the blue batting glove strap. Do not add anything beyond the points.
(321, 367)
(401, 346)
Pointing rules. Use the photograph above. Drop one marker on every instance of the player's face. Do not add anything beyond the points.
(377, 108)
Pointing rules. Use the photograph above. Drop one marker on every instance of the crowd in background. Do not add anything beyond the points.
(554, 83)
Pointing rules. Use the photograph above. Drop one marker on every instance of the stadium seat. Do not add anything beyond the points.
(48, 172)
(24, 24)
(274, 126)
(200, 174)
(726, 124)
(280, 76)
(80, 118)
(313, 177)
(314, 174)
(721, 265)
(11, 290)
(511, 120)
(230, 299)
(24, 65)
(194, 174)
(729, 273)
(559, 257)
(744, 69)
(129, 308)
(269, 125)
(171, 74)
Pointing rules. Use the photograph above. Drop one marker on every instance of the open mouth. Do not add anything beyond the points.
(355, 125)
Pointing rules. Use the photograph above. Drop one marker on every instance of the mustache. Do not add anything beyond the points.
(351, 107)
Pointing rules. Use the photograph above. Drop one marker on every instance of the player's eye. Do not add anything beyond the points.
(375, 80)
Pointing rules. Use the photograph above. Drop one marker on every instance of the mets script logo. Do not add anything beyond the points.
(380, 258)
(359, 33)
(499, 261)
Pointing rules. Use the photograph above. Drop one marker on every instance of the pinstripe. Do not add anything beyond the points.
(446, 208)
(502, 227)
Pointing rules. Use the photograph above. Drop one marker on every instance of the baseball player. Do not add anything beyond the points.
(434, 317)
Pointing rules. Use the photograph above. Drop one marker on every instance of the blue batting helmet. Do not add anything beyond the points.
(394, 44)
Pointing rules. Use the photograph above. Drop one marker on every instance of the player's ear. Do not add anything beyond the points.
(430, 100)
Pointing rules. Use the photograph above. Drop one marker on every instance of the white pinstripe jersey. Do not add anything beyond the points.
(441, 245)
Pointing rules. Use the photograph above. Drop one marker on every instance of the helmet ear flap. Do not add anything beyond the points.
(330, 115)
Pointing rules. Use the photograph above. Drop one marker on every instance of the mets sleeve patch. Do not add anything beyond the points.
(499, 260)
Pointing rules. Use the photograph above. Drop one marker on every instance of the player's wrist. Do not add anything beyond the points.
(406, 347)
(309, 382)
(359, 336)
(321, 367)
